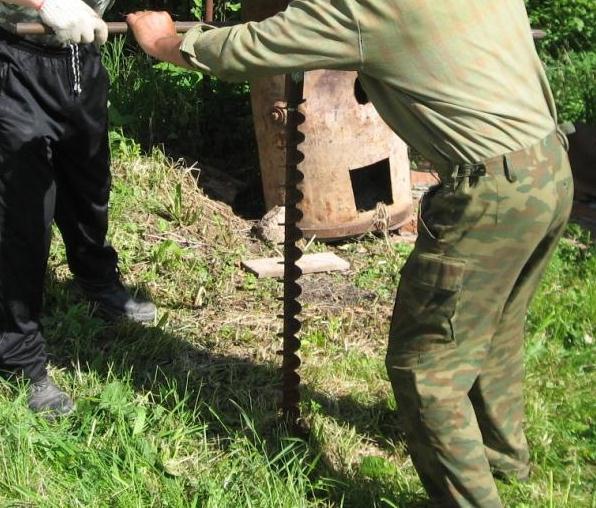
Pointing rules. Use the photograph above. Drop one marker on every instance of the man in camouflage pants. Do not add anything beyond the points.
(461, 82)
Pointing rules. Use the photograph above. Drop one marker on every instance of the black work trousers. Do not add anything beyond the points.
(54, 165)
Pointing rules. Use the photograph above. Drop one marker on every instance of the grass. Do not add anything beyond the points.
(183, 413)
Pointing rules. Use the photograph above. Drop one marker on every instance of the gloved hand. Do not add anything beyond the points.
(73, 21)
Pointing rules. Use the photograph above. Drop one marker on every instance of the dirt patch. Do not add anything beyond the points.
(332, 291)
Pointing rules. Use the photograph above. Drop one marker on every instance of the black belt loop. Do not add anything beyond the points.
(467, 169)
(509, 170)
(459, 172)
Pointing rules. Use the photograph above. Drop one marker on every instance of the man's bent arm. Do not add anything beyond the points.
(309, 34)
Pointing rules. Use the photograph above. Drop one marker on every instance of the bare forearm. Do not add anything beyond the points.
(157, 36)
(168, 50)
(33, 4)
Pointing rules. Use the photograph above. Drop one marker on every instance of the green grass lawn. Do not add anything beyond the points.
(183, 413)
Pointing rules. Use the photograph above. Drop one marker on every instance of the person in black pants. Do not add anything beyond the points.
(54, 166)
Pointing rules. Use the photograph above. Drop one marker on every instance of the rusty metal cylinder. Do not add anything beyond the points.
(356, 170)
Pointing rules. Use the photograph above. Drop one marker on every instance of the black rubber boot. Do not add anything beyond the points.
(45, 397)
(113, 301)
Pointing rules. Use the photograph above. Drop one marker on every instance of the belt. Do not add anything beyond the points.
(506, 162)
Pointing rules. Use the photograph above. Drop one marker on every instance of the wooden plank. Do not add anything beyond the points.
(311, 263)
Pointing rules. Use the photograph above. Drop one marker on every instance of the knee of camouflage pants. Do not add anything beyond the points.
(431, 377)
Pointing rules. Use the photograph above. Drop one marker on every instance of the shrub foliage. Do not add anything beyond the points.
(569, 24)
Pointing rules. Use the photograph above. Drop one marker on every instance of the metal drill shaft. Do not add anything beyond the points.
(292, 253)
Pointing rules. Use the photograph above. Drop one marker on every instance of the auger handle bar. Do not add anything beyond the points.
(114, 27)
(119, 27)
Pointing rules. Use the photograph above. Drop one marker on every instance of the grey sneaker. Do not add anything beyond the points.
(113, 301)
(46, 397)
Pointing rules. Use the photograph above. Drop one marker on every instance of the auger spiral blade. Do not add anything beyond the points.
(292, 253)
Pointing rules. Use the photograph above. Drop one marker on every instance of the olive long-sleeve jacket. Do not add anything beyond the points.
(459, 80)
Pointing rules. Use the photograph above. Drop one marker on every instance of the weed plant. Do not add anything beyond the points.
(188, 113)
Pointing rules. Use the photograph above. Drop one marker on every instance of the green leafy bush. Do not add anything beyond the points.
(192, 114)
(569, 24)
(573, 79)
(154, 103)
(569, 53)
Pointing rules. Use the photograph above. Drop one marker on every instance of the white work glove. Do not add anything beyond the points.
(73, 21)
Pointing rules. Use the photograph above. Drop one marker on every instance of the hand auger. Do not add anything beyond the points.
(292, 254)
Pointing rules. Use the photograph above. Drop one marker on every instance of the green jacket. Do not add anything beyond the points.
(458, 80)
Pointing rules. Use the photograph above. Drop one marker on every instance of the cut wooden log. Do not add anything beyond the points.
(311, 263)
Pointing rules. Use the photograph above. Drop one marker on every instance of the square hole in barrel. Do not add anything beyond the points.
(372, 185)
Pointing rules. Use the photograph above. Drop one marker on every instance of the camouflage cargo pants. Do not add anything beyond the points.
(455, 356)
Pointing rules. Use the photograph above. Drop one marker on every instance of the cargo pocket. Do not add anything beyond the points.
(426, 305)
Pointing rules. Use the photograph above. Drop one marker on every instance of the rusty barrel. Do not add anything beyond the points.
(356, 170)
